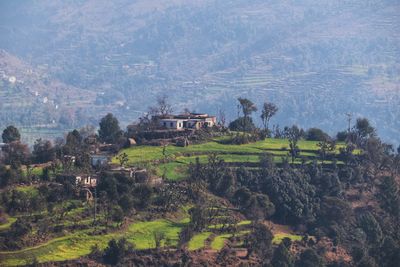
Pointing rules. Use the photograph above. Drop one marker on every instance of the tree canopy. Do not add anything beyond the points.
(109, 131)
(11, 134)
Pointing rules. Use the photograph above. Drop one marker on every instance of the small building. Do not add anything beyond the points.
(97, 160)
(132, 142)
(186, 121)
(85, 181)
(141, 176)
(175, 124)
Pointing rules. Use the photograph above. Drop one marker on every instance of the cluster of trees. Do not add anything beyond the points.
(313, 196)
(246, 108)
(77, 143)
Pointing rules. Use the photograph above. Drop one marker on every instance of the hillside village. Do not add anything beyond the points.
(188, 186)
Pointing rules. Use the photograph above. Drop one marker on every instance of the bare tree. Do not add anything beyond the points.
(162, 108)
(293, 134)
(221, 117)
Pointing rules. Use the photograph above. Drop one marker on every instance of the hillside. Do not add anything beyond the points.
(315, 60)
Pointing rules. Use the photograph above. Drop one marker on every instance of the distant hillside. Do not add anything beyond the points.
(316, 59)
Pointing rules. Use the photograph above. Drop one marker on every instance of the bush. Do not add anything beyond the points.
(341, 136)
(242, 124)
(315, 134)
(116, 251)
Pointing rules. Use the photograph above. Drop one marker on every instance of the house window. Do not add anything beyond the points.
(171, 124)
(180, 125)
(165, 124)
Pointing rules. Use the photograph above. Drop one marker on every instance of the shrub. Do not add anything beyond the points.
(315, 134)
(116, 251)
(242, 124)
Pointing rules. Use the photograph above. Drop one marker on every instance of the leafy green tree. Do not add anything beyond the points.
(282, 257)
(117, 214)
(268, 111)
(367, 261)
(11, 134)
(371, 227)
(126, 203)
(326, 147)
(43, 151)
(116, 251)
(247, 107)
(123, 159)
(259, 241)
(390, 196)
(316, 134)
(109, 131)
(390, 252)
(242, 124)
(267, 162)
(7, 176)
(341, 136)
(334, 210)
(73, 143)
(143, 194)
(226, 184)
(364, 128)
(16, 153)
(198, 218)
(259, 207)
(309, 258)
(292, 194)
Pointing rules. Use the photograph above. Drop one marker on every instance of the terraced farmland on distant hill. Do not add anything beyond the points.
(203, 54)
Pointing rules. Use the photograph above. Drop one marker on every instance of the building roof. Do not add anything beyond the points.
(171, 119)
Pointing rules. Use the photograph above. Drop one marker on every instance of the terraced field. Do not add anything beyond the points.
(80, 243)
(178, 158)
(140, 233)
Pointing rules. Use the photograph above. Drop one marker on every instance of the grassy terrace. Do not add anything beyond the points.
(141, 234)
(7, 224)
(180, 157)
(198, 241)
(79, 244)
(279, 237)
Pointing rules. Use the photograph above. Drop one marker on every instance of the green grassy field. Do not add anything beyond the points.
(219, 241)
(279, 237)
(30, 190)
(198, 241)
(179, 157)
(140, 234)
(8, 223)
(80, 243)
(277, 147)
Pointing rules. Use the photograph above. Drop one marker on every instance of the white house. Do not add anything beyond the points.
(186, 121)
(175, 124)
(86, 181)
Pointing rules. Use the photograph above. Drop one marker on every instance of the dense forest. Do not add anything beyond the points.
(248, 196)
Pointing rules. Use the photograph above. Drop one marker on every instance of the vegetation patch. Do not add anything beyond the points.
(78, 244)
(279, 237)
(198, 241)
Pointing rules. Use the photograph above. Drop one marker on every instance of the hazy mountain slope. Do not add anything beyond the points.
(316, 59)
